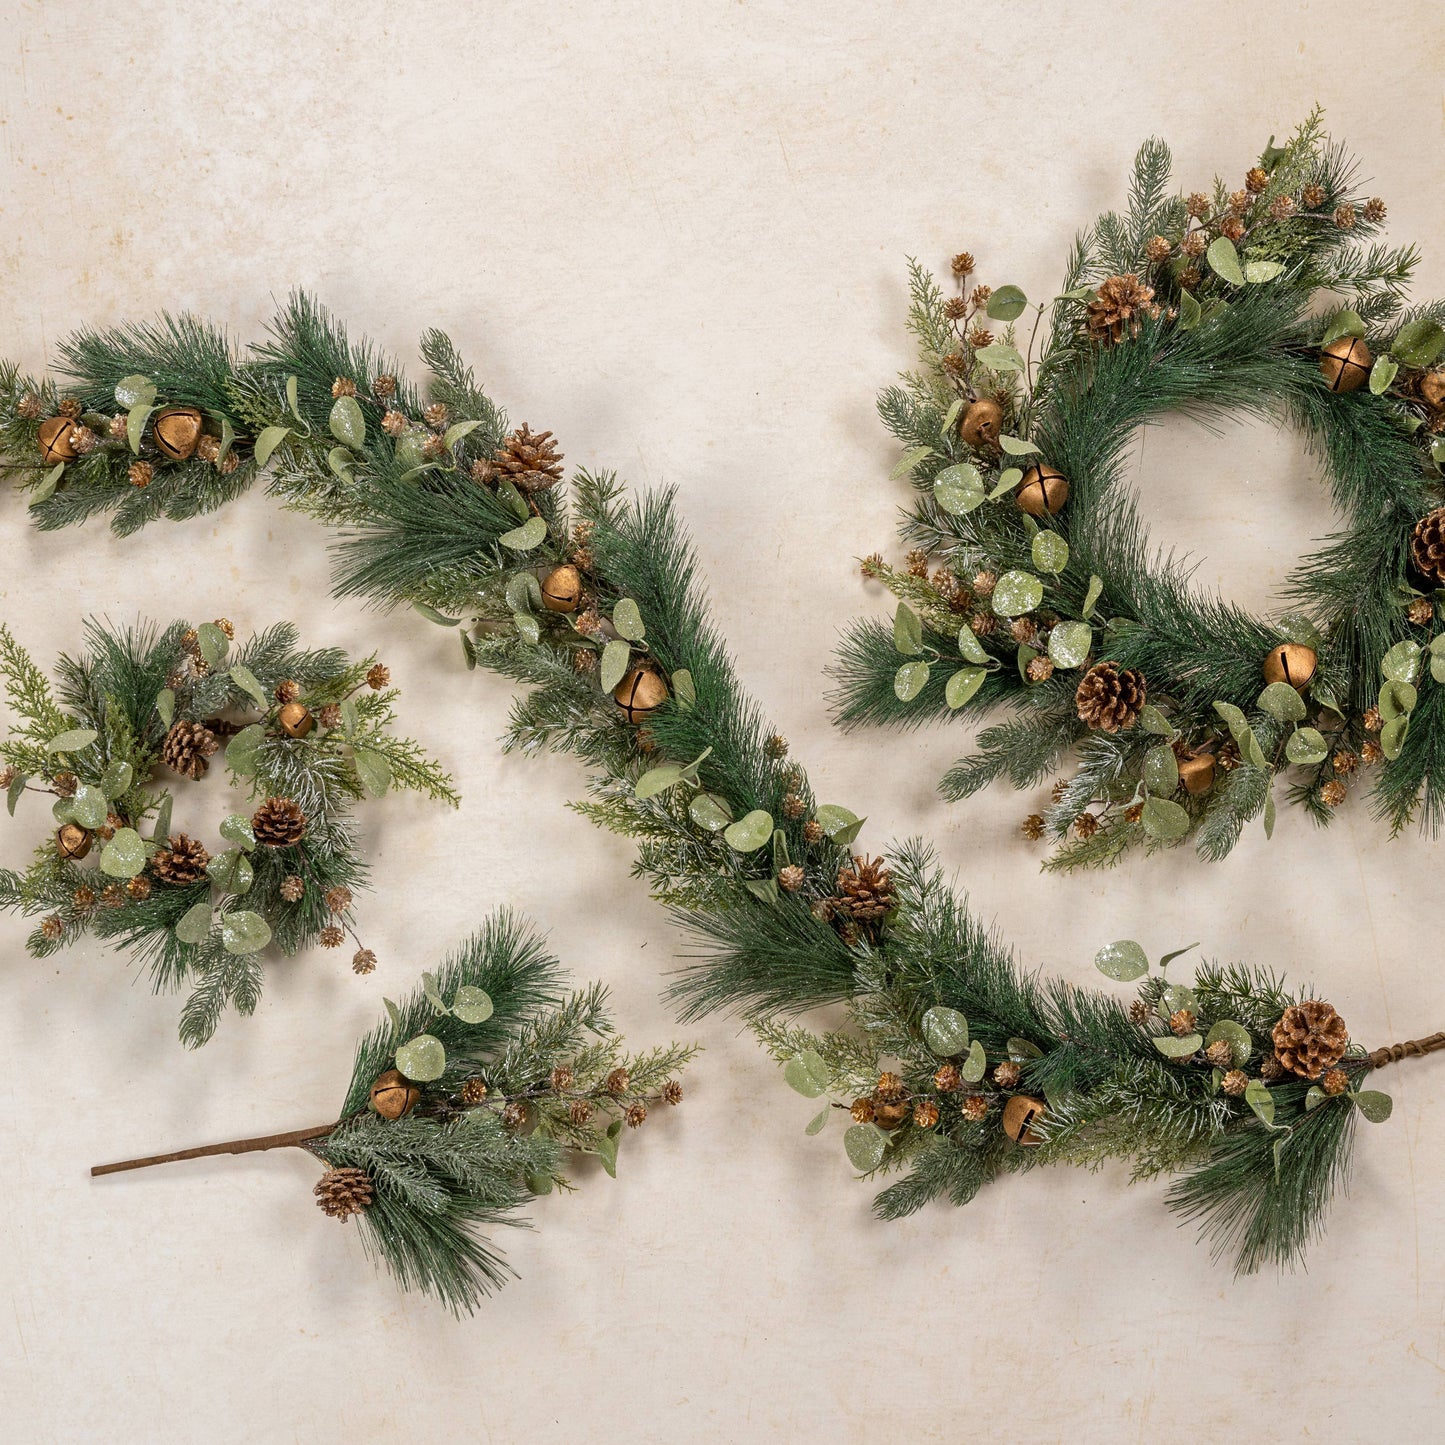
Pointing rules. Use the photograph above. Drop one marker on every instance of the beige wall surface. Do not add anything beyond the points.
(676, 235)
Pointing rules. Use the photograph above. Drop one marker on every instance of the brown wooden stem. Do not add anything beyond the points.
(1411, 1048)
(296, 1137)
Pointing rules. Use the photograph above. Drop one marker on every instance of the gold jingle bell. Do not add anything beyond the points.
(295, 719)
(54, 438)
(1432, 390)
(562, 589)
(1290, 662)
(1042, 491)
(393, 1095)
(177, 431)
(982, 423)
(1345, 363)
(640, 693)
(73, 841)
(1018, 1114)
(1196, 773)
(891, 1115)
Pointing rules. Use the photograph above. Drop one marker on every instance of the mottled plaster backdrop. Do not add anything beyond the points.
(676, 236)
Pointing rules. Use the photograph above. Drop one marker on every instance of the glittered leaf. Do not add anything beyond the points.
(1123, 961)
(1224, 260)
(124, 856)
(373, 769)
(134, 391)
(658, 780)
(910, 680)
(1382, 374)
(237, 829)
(212, 642)
(840, 824)
(247, 681)
(1374, 1105)
(1402, 662)
(1161, 770)
(1069, 644)
(422, 1059)
(945, 1031)
(530, 534)
(244, 932)
(472, 1005)
(1257, 272)
(1177, 1048)
(194, 925)
(962, 685)
(907, 631)
(72, 740)
(970, 646)
(1000, 356)
(627, 619)
(807, 1074)
(1164, 820)
(116, 779)
(89, 807)
(1259, 1098)
(959, 489)
(615, 657)
(818, 1122)
(864, 1145)
(231, 871)
(709, 812)
(1343, 323)
(1050, 552)
(750, 832)
(348, 422)
(271, 438)
(1016, 593)
(973, 1067)
(1281, 702)
(1306, 746)
(1418, 342)
(1016, 446)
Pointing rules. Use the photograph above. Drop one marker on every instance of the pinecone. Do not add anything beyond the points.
(813, 832)
(636, 1115)
(343, 386)
(186, 748)
(84, 899)
(947, 1079)
(287, 690)
(1310, 1037)
(1118, 307)
(1033, 827)
(866, 890)
(331, 936)
(138, 888)
(293, 888)
(1086, 825)
(474, 1091)
(862, 1111)
(791, 878)
(975, 1108)
(1040, 668)
(618, 1081)
(925, 1113)
(1181, 1022)
(1139, 1012)
(363, 961)
(579, 1111)
(1313, 196)
(1109, 700)
(1421, 612)
(1234, 1083)
(1219, 1054)
(514, 1115)
(378, 676)
(1427, 546)
(672, 1092)
(384, 386)
(338, 899)
(1007, 1074)
(890, 1088)
(52, 929)
(528, 458)
(343, 1192)
(278, 823)
(560, 1079)
(1335, 1082)
(1334, 793)
(140, 475)
(435, 414)
(182, 862)
(1270, 1069)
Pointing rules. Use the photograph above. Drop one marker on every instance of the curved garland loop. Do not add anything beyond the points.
(142, 709)
(462, 1107)
(1179, 709)
(956, 1064)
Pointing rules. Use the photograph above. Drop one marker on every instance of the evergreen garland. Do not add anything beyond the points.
(1031, 566)
(463, 1106)
(141, 709)
(956, 1065)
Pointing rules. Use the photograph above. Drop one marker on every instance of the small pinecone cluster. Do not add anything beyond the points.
(1427, 546)
(1119, 307)
(278, 823)
(186, 748)
(527, 458)
(1110, 699)
(340, 1193)
(1310, 1038)
(182, 862)
(865, 890)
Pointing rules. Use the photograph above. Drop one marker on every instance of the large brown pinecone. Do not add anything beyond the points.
(343, 1192)
(278, 823)
(182, 862)
(865, 891)
(1427, 546)
(1110, 700)
(1310, 1038)
(528, 458)
(1118, 308)
(186, 748)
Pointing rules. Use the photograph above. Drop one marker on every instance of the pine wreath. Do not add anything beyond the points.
(1031, 565)
(141, 711)
(955, 1064)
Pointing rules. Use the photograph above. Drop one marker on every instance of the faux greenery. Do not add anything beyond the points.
(143, 709)
(501, 1073)
(589, 602)
(1234, 293)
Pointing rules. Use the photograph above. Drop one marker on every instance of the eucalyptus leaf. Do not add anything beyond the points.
(422, 1059)
(864, 1145)
(131, 391)
(945, 1031)
(89, 807)
(432, 615)
(971, 647)
(270, 438)
(1020, 1050)
(657, 780)
(456, 431)
(72, 740)
(212, 642)
(1306, 747)
(524, 592)
(1259, 1098)
(244, 932)
(910, 680)
(910, 460)
(1069, 644)
(606, 1147)
(237, 829)
(1178, 1048)
(818, 1122)
(194, 925)
(348, 422)
(709, 812)
(750, 832)
(1314, 1097)
(1392, 737)
(1123, 961)
(963, 685)
(1016, 446)
(907, 631)
(232, 871)
(15, 791)
(1224, 260)
(1270, 813)
(684, 688)
(951, 416)
(45, 487)
(1007, 303)
(1189, 312)
(1257, 272)
(1374, 1105)
(1164, 820)
(959, 489)
(840, 824)
(341, 462)
(1000, 356)
(124, 856)
(528, 628)
(1017, 592)
(615, 657)
(1091, 597)
(373, 769)
(1418, 342)
(1050, 552)
(162, 831)
(532, 533)
(135, 425)
(1161, 770)
(975, 1065)
(806, 1074)
(1281, 702)
(1154, 721)
(1402, 662)
(472, 1005)
(1382, 374)
(117, 778)
(248, 682)
(1343, 323)
(627, 619)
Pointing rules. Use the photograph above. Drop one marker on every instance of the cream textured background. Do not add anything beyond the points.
(676, 235)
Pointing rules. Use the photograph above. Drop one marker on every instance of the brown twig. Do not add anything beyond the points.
(1411, 1048)
(296, 1137)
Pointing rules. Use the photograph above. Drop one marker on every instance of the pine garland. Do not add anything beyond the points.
(955, 1065)
(142, 709)
(463, 1106)
(1031, 564)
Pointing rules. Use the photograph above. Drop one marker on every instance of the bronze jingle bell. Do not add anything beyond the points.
(640, 693)
(1018, 1114)
(393, 1095)
(1042, 491)
(1345, 363)
(54, 438)
(295, 719)
(73, 841)
(1290, 662)
(982, 423)
(1196, 773)
(177, 431)
(562, 589)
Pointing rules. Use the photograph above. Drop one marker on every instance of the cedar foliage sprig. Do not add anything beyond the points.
(780, 913)
(1207, 306)
(432, 1162)
(141, 709)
